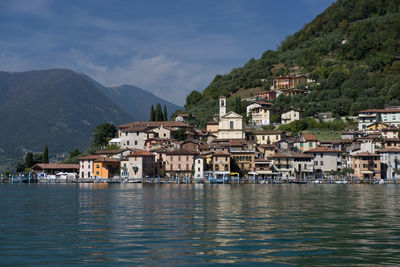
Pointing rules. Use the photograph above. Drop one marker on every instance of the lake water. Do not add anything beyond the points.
(199, 224)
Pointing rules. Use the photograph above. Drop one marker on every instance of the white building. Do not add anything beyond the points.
(86, 166)
(390, 162)
(326, 159)
(387, 115)
(291, 115)
(231, 125)
(138, 165)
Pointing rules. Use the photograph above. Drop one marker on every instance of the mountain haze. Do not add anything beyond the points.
(60, 108)
(137, 101)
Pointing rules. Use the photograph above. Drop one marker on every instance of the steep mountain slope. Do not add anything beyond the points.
(56, 107)
(351, 49)
(137, 101)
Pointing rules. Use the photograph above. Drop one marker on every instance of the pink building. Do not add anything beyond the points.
(179, 162)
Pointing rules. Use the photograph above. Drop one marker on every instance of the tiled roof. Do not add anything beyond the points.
(295, 155)
(181, 152)
(322, 150)
(154, 124)
(141, 153)
(388, 110)
(365, 154)
(55, 166)
(309, 137)
(104, 159)
(220, 154)
(108, 152)
(90, 157)
(389, 149)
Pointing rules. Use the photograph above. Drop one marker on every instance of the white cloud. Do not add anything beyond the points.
(168, 78)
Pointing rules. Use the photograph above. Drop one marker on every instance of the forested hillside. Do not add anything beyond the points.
(352, 50)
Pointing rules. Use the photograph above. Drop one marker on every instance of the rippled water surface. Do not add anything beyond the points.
(199, 224)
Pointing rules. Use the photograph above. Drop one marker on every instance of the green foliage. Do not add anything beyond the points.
(152, 114)
(45, 157)
(102, 133)
(193, 98)
(180, 134)
(165, 113)
(28, 160)
(158, 113)
(74, 153)
(351, 50)
(311, 124)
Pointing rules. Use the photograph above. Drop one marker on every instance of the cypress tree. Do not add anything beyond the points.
(159, 114)
(165, 114)
(45, 158)
(152, 114)
(29, 160)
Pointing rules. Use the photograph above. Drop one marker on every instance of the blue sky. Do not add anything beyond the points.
(167, 47)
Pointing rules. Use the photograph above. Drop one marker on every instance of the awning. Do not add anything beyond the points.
(367, 172)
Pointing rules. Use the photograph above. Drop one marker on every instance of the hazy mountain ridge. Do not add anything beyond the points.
(57, 107)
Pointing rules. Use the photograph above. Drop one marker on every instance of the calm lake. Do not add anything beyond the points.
(199, 224)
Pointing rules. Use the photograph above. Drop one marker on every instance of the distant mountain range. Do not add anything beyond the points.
(60, 108)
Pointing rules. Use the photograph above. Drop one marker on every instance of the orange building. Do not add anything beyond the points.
(366, 165)
(106, 168)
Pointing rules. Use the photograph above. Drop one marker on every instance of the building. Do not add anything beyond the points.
(54, 168)
(231, 126)
(261, 116)
(199, 167)
(286, 82)
(269, 95)
(179, 162)
(366, 165)
(221, 162)
(306, 142)
(257, 104)
(106, 168)
(212, 127)
(390, 162)
(264, 137)
(114, 154)
(293, 165)
(291, 115)
(138, 165)
(387, 115)
(326, 159)
(184, 117)
(86, 166)
(243, 161)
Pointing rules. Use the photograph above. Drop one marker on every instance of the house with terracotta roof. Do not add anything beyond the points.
(179, 162)
(390, 162)
(325, 159)
(366, 165)
(86, 166)
(390, 132)
(286, 82)
(54, 168)
(263, 137)
(306, 142)
(138, 165)
(114, 154)
(291, 115)
(106, 168)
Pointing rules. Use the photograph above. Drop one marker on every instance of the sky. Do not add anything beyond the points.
(167, 47)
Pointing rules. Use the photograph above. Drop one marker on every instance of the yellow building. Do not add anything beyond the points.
(377, 126)
(106, 168)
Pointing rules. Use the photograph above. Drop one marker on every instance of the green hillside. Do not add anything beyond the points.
(352, 50)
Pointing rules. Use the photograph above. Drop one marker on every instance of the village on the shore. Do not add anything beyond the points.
(231, 150)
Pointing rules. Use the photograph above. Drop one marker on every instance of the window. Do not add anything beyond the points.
(301, 144)
(126, 134)
(179, 166)
(127, 143)
(310, 144)
(179, 158)
(198, 169)
(165, 134)
(187, 166)
(316, 163)
(135, 143)
(322, 163)
(231, 124)
(137, 133)
(171, 167)
(322, 155)
(187, 157)
(198, 161)
(97, 173)
(97, 165)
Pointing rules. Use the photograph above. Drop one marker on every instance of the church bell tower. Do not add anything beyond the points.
(222, 106)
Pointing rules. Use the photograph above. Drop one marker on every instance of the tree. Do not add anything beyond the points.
(158, 113)
(28, 160)
(20, 166)
(152, 114)
(45, 157)
(102, 132)
(165, 114)
(74, 153)
(193, 98)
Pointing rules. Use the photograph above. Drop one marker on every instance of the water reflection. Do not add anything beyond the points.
(183, 224)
